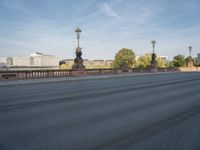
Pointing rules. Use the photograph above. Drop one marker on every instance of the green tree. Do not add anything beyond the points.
(179, 61)
(170, 64)
(161, 63)
(144, 61)
(187, 59)
(126, 56)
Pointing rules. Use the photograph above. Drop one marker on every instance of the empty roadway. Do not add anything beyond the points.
(148, 112)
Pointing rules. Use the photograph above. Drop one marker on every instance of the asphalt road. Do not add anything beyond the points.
(149, 112)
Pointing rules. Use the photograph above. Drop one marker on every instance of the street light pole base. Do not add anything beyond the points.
(190, 64)
(78, 61)
(78, 64)
(153, 61)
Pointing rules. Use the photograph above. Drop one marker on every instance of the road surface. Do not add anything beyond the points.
(149, 112)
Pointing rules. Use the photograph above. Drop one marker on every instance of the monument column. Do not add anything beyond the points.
(78, 61)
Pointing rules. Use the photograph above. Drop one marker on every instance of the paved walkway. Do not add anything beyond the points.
(42, 80)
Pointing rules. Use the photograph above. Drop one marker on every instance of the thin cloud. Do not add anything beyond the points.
(26, 26)
(107, 10)
(16, 5)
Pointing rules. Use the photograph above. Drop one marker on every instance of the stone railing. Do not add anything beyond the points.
(34, 74)
(189, 69)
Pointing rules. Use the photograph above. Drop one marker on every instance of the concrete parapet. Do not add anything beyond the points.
(189, 69)
(154, 70)
(79, 73)
(36, 74)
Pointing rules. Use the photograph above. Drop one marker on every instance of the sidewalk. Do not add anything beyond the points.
(59, 79)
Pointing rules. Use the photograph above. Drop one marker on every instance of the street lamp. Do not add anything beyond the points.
(190, 63)
(78, 61)
(190, 50)
(153, 43)
(78, 33)
(153, 56)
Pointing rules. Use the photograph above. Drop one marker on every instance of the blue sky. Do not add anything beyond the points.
(48, 26)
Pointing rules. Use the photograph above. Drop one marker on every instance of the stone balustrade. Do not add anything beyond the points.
(34, 74)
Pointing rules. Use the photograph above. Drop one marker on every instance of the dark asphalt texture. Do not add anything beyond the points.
(149, 112)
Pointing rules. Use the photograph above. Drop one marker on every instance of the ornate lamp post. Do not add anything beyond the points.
(190, 50)
(78, 33)
(190, 63)
(153, 56)
(153, 43)
(78, 61)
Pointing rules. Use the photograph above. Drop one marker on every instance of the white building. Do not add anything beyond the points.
(3, 60)
(21, 61)
(9, 61)
(164, 59)
(39, 59)
(36, 59)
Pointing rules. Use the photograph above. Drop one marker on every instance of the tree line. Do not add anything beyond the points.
(127, 57)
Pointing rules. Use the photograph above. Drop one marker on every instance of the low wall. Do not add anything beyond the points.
(189, 69)
(34, 74)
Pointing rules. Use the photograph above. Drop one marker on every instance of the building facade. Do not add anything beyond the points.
(198, 59)
(21, 61)
(9, 61)
(35, 60)
(98, 62)
(164, 59)
(3, 60)
(109, 63)
(89, 64)
(41, 60)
